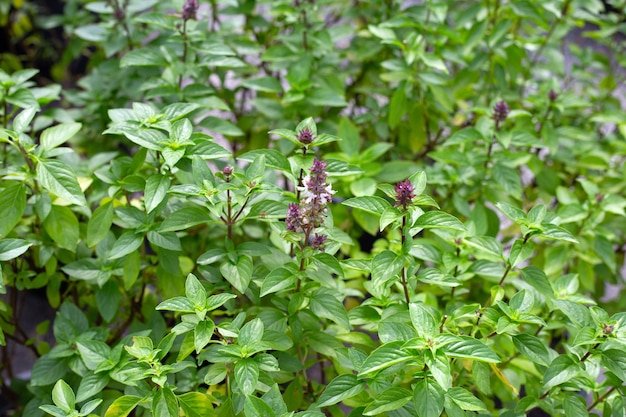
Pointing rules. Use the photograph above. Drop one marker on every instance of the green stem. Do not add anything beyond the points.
(183, 32)
(506, 272)
(601, 398)
(407, 298)
(229, 218)
(586, 356)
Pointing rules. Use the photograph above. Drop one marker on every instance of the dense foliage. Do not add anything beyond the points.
(308, 208)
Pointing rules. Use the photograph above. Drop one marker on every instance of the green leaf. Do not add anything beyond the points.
(273, 159)
(53, 410)
(57, 135)
(127, 243)
(63, 396)
(12, 248)
(264, 84)
(428, 398)
(62, 226)
(604, 249)
(575, 406)
(132, 267)
(385, 266)
(165, 403)
(487, 245)
(23, 119)
(383, 357)
(398, 106)
(165, 240)
(508, 178)
(423, 321)
(90, 385)
(195, 404)
(218, 125)
(12, 205)
(469, 134)
(562, 369)
(218, 300)
(238, 274)
(275, 400)
(533, 348)
(256, 407)
(59, 179)
(552, 231)
(185, 218)
(439, 366)
(439, 220)
(99, 224)
(467, 347)
(195, 292)
(247, 375)
(325, 304)
(209, 150)
(202, 334)
(349, 133)
(418, 181)
(48, 370)
(511, 212)
(342, 387)
(93, 33)
(93, 352)
(388, 400)
(538, 280)
(277, 280)
(143, 57)
(122, 406)
(88, 407)
(369, 204)
(326, 97)
(181, 304)
(251, 333)
(465, 399)
(108, 300)
(156, 190)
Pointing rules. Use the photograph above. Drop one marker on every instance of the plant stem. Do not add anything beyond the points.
(586, 356)
(305, 27)
(601, 398)
(183, 32)
(229, 218)
(407, 298)
(506, 272)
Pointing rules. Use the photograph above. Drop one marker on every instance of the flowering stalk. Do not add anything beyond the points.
(309, 214)
(305, 136)
(231, 217)
(500, 113)
(188, 13)
(404, 197)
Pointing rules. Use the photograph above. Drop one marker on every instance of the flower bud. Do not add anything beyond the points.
(552, 95)
(189, 10)
(500, 111)
(404, 194)
(305, 136)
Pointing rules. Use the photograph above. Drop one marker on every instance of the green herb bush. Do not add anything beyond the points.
(314, 208)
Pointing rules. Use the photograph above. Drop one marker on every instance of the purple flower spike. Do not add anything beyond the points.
(317, 242)
(553, 95)
(315, 194)
(189, 10)
(305, 136)
(294, 218)
(500, 112)
(404, 194)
